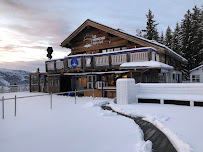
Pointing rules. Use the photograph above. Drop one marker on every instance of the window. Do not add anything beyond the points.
(109, 50)
(116, 49)
(195, 78)
(103, 51)
(124, 48)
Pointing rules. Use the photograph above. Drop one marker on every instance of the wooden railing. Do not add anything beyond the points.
(118, 59)
(92, 61)
(139, 56)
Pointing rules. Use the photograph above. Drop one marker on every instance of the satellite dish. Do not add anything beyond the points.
(138, 30)
(49, 51)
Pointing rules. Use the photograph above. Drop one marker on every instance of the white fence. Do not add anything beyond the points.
(129, 92)
(14, 88)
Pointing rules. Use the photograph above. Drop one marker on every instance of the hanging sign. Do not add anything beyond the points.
(74, 63)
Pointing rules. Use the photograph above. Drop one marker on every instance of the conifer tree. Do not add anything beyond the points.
(151, 30)
(175, 39)
(197, 35)
(161, 38)
(168, 37)
(186, 39)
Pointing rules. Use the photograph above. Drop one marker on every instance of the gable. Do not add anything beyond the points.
(69, 42)
(91, 39)
(88, 23)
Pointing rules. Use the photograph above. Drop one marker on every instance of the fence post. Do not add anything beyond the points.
(93, 93)
(51, 99)
(75, 96)
(15, 104)
(3, 107)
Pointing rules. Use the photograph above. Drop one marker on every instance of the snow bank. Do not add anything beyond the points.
(67, 127)
(145, 64)
(181, 124)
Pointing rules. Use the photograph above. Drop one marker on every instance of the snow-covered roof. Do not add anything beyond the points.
(196, 68)
(130, 34)
(155, 42)
(145, 65)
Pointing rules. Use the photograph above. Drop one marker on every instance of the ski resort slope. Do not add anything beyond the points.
(81, 127)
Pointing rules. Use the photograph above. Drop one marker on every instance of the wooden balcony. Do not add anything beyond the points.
(93, 62)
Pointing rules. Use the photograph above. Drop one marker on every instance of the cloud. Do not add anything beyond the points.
(32, 26)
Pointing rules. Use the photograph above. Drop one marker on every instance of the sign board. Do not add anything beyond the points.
(93, 40)
(74, 63)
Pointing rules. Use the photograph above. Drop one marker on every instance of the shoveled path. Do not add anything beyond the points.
(160, 143)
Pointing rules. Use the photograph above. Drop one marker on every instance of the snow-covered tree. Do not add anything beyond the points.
(197, 33)
(175, 39)
(191, 34)
(161, 39)
(151, 32)
(186, 39)
(168, 37)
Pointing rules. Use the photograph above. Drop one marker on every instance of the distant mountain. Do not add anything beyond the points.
(10, 77)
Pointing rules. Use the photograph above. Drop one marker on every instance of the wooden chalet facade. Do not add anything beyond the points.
(98, 51)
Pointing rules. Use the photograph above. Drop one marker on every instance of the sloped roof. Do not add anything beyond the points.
(196, 68)
(124, 35)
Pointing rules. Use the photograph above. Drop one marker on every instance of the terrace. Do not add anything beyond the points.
(101, 61)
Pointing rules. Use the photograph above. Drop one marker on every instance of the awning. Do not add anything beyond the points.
(96, 73)
(145, 65)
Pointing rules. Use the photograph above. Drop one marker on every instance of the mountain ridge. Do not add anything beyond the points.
(11, 77)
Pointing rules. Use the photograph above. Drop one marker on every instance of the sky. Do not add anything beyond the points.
(28, 27)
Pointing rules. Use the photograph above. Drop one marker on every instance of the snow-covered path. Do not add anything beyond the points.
(184, 122)
(67, 127)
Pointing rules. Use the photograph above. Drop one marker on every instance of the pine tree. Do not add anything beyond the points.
(168, 37)
(186, 39)
(191, 34)
(161, 39)
(200, 36)
(196, 30)
(151, 30)
(175, 40)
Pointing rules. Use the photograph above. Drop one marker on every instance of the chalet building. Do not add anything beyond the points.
(196, 75)
(100, 55)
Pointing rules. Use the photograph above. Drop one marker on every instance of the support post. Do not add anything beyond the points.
(51, 99)
(15, 105)
(75, 96)
(93, 93)
(192, 103)
(102, 85)
(126, 91)
(72, 83)
(162, 101)
(3, 107)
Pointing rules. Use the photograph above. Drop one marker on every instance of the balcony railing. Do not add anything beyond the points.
(139, 56)
(106, 60)
(118, 59)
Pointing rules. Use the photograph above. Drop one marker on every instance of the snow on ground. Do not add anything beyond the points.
(67, 127)
(182, 124)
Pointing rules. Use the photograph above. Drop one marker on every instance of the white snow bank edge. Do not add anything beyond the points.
(178, 144)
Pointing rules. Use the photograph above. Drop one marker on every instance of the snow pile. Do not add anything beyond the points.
(83, 126)
(181, 124)
(145, 64)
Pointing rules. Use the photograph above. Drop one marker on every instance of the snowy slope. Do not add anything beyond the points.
(8, 77)
(68, 127)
